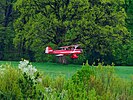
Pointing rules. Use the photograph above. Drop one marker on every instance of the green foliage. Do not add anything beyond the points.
(15, 85)
(89, 83)
(28, 87)
(99, 26)
(129, 10)
(102, 27)
(83, 75)
(101, 84)
(54, 88)
(129, 22)
(6, 28)
(9, 88)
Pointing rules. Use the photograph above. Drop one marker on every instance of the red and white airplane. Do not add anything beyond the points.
(65, 50)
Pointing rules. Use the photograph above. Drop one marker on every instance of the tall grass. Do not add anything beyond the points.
(9, 88)
(88, 83)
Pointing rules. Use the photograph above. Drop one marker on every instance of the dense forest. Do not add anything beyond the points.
(103, 28)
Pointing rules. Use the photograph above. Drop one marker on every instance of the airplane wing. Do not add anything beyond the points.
(65, 47)
(60, 55)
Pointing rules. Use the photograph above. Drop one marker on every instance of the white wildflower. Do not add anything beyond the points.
(26, 61)
(23, 64)
(31, 70)
(24, 70)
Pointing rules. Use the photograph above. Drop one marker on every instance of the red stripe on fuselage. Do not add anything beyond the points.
(66, 52)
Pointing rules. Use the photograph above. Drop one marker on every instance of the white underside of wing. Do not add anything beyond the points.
(60, 55)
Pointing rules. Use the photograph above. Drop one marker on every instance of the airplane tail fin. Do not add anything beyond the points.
(48, 50)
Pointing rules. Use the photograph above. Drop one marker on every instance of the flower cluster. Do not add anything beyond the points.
(29, 79)
(27, 68)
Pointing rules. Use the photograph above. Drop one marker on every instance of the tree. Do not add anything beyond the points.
(98, 25)
(57, 25)
(109, 30)
(129, 22)
(6, 27)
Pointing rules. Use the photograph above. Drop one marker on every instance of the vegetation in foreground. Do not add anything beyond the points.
(89, 83)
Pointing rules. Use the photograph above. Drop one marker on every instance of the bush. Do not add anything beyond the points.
(99, 83)
(20, 84)
(9, 88)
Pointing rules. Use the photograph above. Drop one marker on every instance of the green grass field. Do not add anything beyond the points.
(54, 69)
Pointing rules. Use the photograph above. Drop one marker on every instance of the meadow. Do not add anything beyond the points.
(56, 69)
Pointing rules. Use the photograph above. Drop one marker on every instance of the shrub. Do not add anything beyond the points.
(9, 88)
(29, 81)
(83, 75)
(24, 83)
(99, 82)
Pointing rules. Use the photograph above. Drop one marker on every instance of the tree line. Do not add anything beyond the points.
(103, 28)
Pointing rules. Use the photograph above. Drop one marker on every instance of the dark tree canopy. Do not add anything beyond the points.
(6, 27)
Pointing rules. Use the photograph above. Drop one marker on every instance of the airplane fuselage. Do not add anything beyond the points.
(66, 52)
